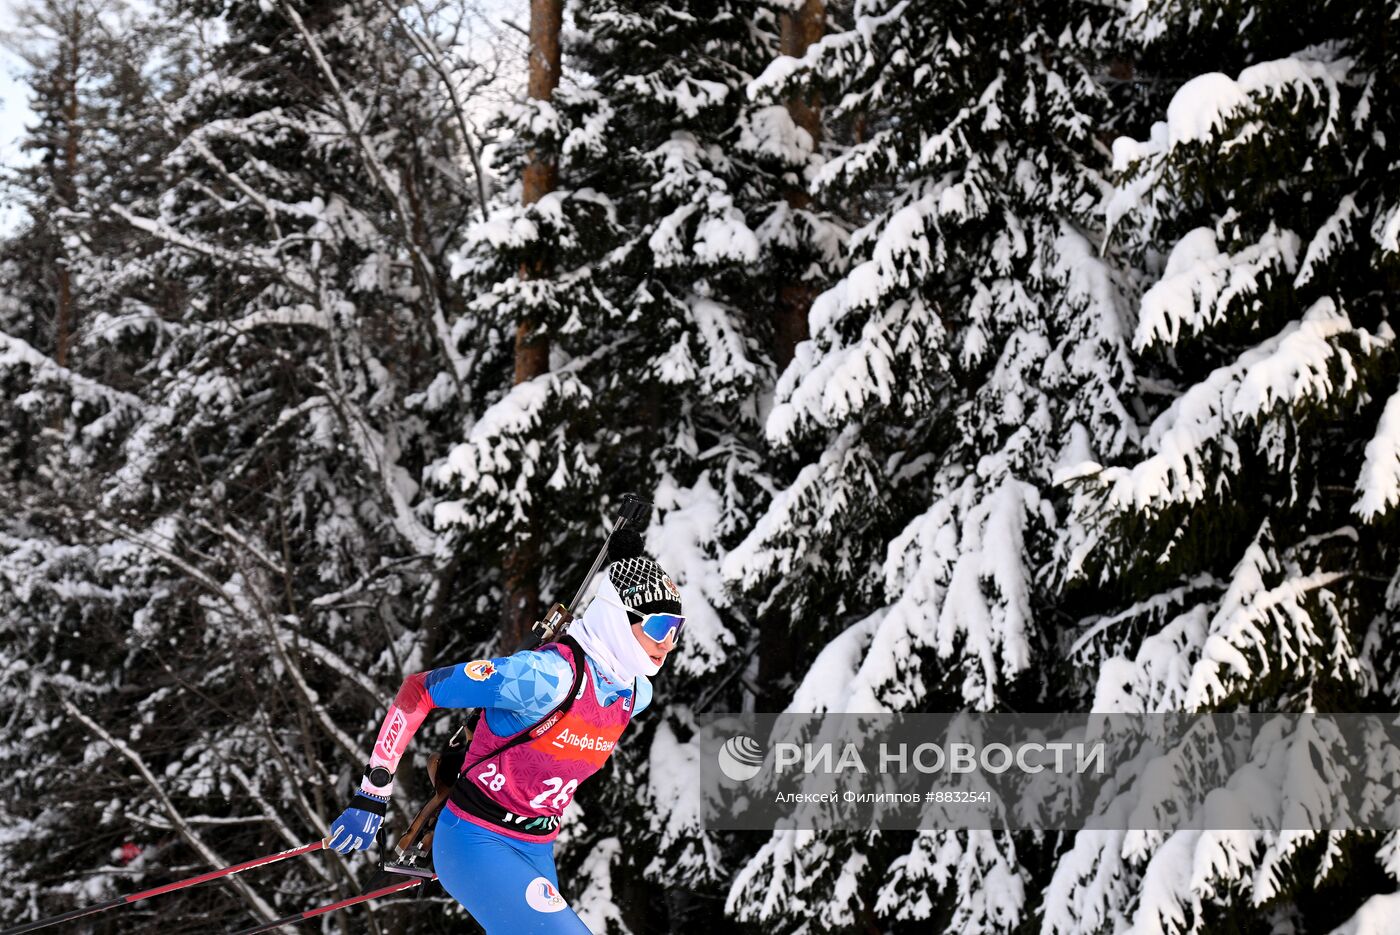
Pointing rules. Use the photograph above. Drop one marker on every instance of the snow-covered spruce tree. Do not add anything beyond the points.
(242, 564)
(69, 54)
(976, 341)
(95, 139)
(652, 269)
(1252, 540)
(66, 597)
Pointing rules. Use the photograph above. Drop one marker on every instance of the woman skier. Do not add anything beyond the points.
(551, 717)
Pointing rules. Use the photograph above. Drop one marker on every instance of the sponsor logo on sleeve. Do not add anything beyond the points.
(480, 669)
(542, 896)
(393, 733)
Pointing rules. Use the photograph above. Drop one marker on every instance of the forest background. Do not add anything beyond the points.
(1013, 355)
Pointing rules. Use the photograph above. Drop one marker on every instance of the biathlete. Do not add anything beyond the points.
(551, 717)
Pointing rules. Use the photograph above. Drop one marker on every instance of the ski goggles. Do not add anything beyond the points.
(658, 626)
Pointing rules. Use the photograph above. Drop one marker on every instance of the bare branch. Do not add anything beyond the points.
(435, 62)
(353, 120)
(177, 820)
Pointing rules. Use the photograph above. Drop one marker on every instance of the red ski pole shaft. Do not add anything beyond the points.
(161, 890)
(332, 907)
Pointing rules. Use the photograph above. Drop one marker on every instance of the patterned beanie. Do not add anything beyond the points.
(641, 584)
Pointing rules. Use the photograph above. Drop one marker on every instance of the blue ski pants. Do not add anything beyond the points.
(511, 887)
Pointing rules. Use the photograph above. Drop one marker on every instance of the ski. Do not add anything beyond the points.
(161, 890)
(332, 907)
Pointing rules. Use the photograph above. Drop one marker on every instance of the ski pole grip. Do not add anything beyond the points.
(634, 510)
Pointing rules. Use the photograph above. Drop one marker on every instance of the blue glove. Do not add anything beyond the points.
(356, 827)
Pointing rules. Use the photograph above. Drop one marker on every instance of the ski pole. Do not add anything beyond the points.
(561, 615)
(332, 907)
(161, 890)
(633, 508)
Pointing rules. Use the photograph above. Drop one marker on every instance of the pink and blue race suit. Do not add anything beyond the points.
(551, 718)
(520, 783)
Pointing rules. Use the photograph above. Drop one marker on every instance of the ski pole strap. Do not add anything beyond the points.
(332, 907)
(160, 890)
(366, 803)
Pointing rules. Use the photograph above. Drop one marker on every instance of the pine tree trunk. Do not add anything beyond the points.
(798, 29)
(546, 22)
(531, 350)
(65, 319)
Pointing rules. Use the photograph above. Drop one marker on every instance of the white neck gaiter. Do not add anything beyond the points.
(606, 635)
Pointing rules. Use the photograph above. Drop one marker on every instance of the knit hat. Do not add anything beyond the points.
(639, 583)
(634, 583)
